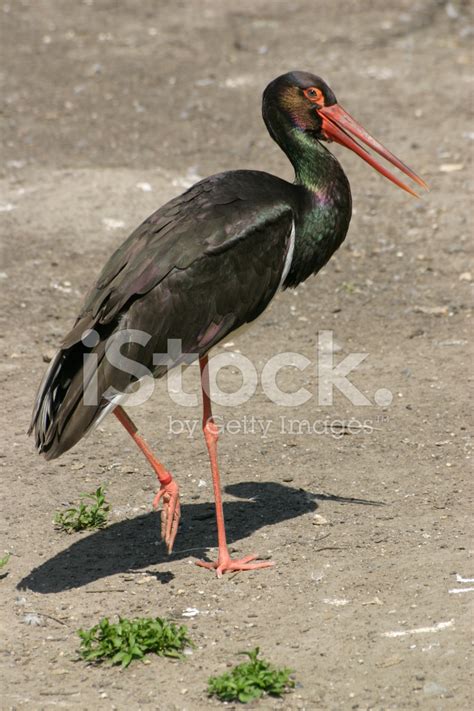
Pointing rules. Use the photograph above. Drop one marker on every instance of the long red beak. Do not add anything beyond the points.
(338, 125)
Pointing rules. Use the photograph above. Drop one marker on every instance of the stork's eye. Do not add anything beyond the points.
(315, 95)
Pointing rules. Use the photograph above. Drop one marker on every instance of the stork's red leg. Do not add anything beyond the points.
(224, 562)
(169, 490)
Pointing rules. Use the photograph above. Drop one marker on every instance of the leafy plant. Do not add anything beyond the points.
(349, 287)
(126, 640)
(250, 680)
(4, 560)
(86, 516)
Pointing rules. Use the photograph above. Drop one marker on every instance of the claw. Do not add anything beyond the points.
(225, 564)
(170, 513)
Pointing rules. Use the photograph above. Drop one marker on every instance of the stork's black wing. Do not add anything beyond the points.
(201, 266)
(209, 219)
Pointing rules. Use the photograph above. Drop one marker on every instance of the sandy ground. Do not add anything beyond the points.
(110, 108)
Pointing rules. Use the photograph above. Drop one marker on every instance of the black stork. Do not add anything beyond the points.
(204, 264)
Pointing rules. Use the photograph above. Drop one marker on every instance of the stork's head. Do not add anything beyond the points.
(300, 101)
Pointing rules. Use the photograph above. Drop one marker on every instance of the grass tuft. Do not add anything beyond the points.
(88, 516)
(250, 680)
(4, 560)
(126, 640)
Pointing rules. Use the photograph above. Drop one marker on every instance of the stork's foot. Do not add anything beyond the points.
(170, 513)
(225, 564)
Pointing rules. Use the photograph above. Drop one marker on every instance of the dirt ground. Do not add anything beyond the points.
(109, 108)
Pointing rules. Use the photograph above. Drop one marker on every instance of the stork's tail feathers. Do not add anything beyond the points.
(60, 417)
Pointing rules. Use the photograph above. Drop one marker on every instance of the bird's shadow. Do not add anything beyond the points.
(134, 544)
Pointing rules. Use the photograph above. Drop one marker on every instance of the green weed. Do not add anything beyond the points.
(250, 680)
(126, 640)
(4, 560)
(87, 516)
(349, 287)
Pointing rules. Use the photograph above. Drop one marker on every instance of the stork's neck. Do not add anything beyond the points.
(325, 204)
(315, 167)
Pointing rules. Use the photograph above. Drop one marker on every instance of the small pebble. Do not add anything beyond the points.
(450, 167)
(111, 224)
(146, 187)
